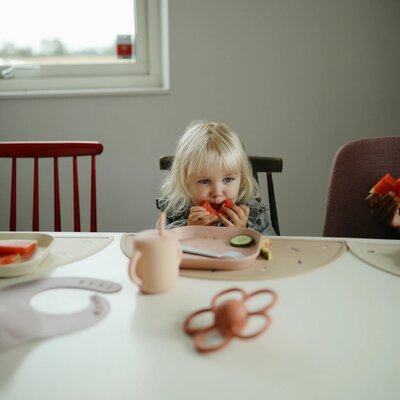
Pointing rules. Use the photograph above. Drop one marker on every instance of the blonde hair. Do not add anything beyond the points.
(205, 146)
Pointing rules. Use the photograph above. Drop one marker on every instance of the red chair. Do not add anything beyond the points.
(356, 167)
(55, 150)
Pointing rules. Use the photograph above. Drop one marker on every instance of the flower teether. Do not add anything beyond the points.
(230, 319)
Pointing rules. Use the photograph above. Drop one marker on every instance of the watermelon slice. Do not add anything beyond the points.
(216, 209)
(17, 246)
(9, 258)
(386, 184)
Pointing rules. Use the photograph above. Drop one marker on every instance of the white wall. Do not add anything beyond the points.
(296, 79)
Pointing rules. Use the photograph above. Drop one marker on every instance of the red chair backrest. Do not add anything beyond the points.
(55, 150)
(356, 167)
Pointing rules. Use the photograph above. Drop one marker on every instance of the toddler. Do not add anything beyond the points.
(211, 165)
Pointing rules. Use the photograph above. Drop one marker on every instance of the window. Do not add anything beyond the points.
(83, 47)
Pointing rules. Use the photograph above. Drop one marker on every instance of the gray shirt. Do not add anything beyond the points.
(259, 219)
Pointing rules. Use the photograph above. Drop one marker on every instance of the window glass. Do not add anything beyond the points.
(83, 47)
(74, 31)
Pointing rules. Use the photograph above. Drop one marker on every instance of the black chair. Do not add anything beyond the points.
(267, 165)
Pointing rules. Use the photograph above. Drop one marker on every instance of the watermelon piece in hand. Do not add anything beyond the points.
(228, 203)
(216, 209)
(387, 184)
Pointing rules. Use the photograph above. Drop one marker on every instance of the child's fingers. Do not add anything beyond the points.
(240, 211)
(226, 221)
(228, 214)
(384, 204)
(201, 218)
(234, 217)
(212, 221)
(372, 199)
(196, 212)
(391, 214)
(207, 220)
(386, 209)
(246, 209)
(197, 209)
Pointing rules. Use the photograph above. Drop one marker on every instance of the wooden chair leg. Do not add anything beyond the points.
(93, 203)
(57, 208)
(77, 216)
(35, 216)
(13, 206)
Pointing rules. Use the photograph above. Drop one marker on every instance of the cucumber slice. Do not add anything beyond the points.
(241, 241)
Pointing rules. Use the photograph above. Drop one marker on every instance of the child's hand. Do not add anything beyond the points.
(237, 216)
(200, 216)
(385, 208)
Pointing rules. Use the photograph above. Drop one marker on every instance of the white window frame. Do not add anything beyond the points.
(149, 74)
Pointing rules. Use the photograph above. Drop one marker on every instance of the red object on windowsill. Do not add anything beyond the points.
(124, 46)
(124, 50)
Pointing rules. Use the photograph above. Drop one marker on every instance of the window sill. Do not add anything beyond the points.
(84, 92)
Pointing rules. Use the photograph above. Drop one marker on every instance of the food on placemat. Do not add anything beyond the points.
(265, 248)
(216, 209)
(387, 184)
(14, 250)
(241, 241)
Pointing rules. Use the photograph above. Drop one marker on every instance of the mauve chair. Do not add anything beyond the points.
(356, 167)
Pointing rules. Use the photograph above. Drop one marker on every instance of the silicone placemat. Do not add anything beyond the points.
(385, 256)
(66, 250)
(70, 249)
(289, 257)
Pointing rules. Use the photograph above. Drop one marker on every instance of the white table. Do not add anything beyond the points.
(334, 335)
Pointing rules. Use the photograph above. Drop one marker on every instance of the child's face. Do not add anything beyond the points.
(215, 187)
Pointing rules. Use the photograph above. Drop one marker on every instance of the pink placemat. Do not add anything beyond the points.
(384, 256)
(289, 257)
